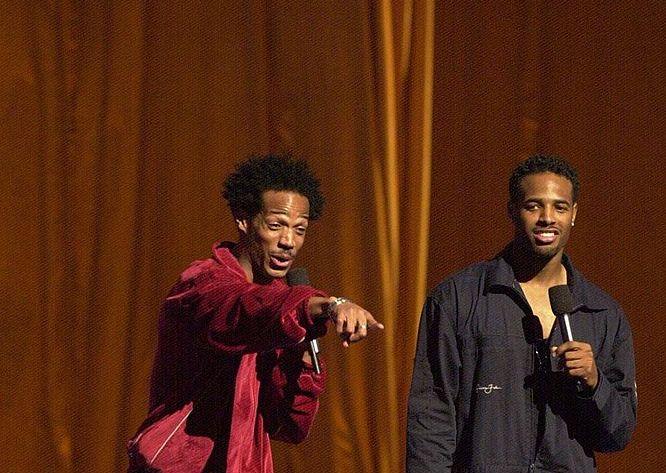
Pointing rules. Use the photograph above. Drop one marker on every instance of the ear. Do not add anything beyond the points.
(242, 225)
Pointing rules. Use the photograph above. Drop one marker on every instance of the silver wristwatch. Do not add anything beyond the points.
(330, 311)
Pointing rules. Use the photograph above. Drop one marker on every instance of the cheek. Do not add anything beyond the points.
(263, 243)
(566, 230)
(269, 246)
(525, 221)
(565, 222)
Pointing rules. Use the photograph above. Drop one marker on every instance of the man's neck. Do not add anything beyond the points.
(240, 252)
(532, 270)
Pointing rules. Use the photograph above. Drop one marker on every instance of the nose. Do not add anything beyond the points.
(286, 241)
(547, 215)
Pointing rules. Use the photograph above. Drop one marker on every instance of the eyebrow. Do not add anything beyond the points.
(284, 212)
(541, 199)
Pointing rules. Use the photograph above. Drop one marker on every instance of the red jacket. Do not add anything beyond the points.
(234, 349)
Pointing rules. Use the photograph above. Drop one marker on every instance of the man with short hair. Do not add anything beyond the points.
(496, 388)
(232, 367)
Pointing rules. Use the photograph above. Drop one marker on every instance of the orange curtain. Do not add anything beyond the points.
(120, 121)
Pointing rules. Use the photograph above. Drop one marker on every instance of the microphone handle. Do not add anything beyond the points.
(299, 277)
(314, 349)
(568, 336)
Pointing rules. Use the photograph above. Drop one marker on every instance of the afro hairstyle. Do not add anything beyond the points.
(245, 187)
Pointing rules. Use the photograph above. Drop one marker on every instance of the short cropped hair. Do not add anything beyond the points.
(244, 188)
(538, 164)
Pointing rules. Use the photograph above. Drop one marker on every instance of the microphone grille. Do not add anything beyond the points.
(560, 299)
(298, 277)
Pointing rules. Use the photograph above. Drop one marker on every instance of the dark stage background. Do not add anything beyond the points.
(120, 119)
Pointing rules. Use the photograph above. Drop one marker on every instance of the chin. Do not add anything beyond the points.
(545, 252)
(276, 273)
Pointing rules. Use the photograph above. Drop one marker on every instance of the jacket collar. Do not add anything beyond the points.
(222, 253)
(500, 274)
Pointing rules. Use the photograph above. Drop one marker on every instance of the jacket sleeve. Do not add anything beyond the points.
(237, 316)
(431, 417)
(289, 396)
(612, 407)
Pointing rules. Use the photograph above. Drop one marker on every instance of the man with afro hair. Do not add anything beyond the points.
(232, 368)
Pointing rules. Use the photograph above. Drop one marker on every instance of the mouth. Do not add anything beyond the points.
(545, 236)
(280, 262)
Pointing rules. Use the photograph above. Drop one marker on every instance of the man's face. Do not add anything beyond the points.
(544, 217)
(276, 234)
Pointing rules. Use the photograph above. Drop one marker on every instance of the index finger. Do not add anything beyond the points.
(569, 346)
(373, 324)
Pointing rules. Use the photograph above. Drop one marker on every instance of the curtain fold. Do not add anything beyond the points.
(404, 47)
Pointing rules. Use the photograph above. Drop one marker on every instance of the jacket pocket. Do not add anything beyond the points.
(499, 409)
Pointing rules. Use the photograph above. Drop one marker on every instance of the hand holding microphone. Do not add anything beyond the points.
(299, 277)
(577, 357)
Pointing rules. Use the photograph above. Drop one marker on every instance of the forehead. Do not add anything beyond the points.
(547, 185)
(288, 202)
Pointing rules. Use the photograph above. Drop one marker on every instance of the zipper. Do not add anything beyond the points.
(536, 368)
(534, 410)
(173, 432)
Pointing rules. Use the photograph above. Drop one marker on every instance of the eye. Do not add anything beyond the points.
(531, 206)
(274, 225)
(562, 208)
(301, 230)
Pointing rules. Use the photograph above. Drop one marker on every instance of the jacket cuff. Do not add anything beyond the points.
(297, 321)
(305, 318)
(601, 393)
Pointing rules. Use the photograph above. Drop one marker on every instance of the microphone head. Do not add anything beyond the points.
(560, 299)
(298, 277)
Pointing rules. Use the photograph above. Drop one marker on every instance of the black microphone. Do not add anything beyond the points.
(562, 304)
(299, 277)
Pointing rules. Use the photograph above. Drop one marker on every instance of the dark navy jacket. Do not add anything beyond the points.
(485, 395)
